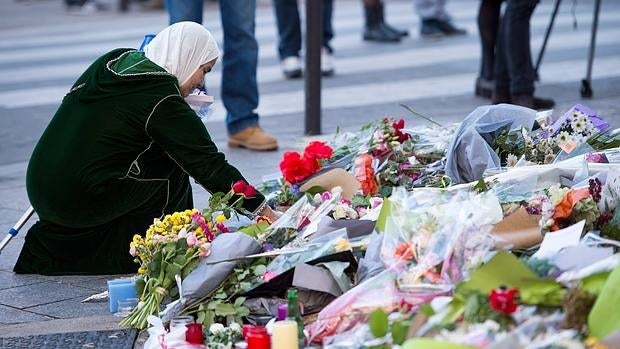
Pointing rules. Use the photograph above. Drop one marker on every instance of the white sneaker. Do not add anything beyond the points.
(291, 67)
(327, 63)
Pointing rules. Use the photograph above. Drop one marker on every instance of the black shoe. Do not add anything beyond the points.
(449, 29)
(484, 88)
(430, 29)
(374, 28)
(380, 34)
(399, 32)
(387, 27)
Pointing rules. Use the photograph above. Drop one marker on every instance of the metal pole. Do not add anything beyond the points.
(13, 231)
(314, 38)
(586, 84)
(547, 33)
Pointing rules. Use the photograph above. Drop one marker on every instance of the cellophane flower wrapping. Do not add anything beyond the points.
(437, 242)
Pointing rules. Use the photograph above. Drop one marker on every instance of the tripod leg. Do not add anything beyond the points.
(547, 33)
(586, 88)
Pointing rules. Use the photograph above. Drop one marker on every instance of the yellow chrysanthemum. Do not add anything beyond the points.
(220, 218)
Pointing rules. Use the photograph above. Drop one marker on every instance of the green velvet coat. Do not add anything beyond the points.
(118, 152)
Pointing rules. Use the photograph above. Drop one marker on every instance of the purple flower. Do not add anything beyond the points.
(267, 247)
(295, 189)
(599, 158)
(326, 196)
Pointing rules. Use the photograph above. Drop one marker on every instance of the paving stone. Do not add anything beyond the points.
(10, 316)
(72, 308)
(44, 293)
(118, 339)
(10, 280)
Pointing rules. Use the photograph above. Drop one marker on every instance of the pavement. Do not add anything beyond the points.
(43, 49)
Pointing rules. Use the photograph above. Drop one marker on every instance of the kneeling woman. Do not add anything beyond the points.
(119, 152)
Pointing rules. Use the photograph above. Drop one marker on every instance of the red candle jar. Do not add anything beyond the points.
(258, 338)
(245, 329)
(193, 334)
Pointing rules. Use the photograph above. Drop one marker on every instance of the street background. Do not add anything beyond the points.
(43, 50)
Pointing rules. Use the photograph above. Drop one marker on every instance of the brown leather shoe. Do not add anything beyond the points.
(532, 102)
(253, 138)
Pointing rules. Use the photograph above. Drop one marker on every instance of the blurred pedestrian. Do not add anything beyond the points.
(375, 27)
(488, 26)
(514, 71)
(289, 37)
(119, 152)
(435, 19)
(239, 85)
(84, 6)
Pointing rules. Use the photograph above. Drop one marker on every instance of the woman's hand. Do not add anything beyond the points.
(270, 213)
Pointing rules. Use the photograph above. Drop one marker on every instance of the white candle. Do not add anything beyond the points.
(284, 335)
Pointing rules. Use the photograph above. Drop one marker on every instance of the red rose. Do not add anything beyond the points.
(503, 300)
(294, 168)
(398, 124)
(249, 191)
(239, 187)
(318, 150)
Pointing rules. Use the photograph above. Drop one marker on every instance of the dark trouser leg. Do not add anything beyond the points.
(517, 40)
(289, 27)
(328, 30)
(488, 25)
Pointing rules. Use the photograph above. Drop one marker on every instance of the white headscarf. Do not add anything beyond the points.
(182, 48)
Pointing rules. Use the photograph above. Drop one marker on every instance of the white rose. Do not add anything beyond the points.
(340, 212)
(235, 327)
(216, 328)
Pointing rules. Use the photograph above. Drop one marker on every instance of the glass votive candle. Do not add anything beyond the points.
(181, 321)
(284, 335)
(194, 334)
(125, 306)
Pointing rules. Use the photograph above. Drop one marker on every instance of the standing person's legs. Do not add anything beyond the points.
(327, 63)
(501, 91)
(184, 10)
(435, 19)
(488, 26)
(517, 33)
(239, 86)
(289, 36)
(289, 28)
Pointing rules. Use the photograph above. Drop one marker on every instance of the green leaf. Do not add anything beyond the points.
(243, 311)
(427, 309)
(213, 304)
(201, 316)
(399, 332)
(260, 270)
(220, 295)
(239, 301)
(594, 283)
(378, 322)
(245, 286)
(224, 309)
(383, 214)
(315, 190)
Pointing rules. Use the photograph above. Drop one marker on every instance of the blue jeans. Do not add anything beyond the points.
(513, 62)
(289, 26)
(239, 86)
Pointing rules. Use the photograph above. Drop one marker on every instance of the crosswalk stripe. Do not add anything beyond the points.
(407, 58)
(98, 42)
(361, 94)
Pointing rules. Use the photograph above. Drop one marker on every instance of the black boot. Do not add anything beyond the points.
(399, 32)
(373, 30)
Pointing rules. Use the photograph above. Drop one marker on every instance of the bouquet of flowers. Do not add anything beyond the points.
(173, 246)
(542, 146)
